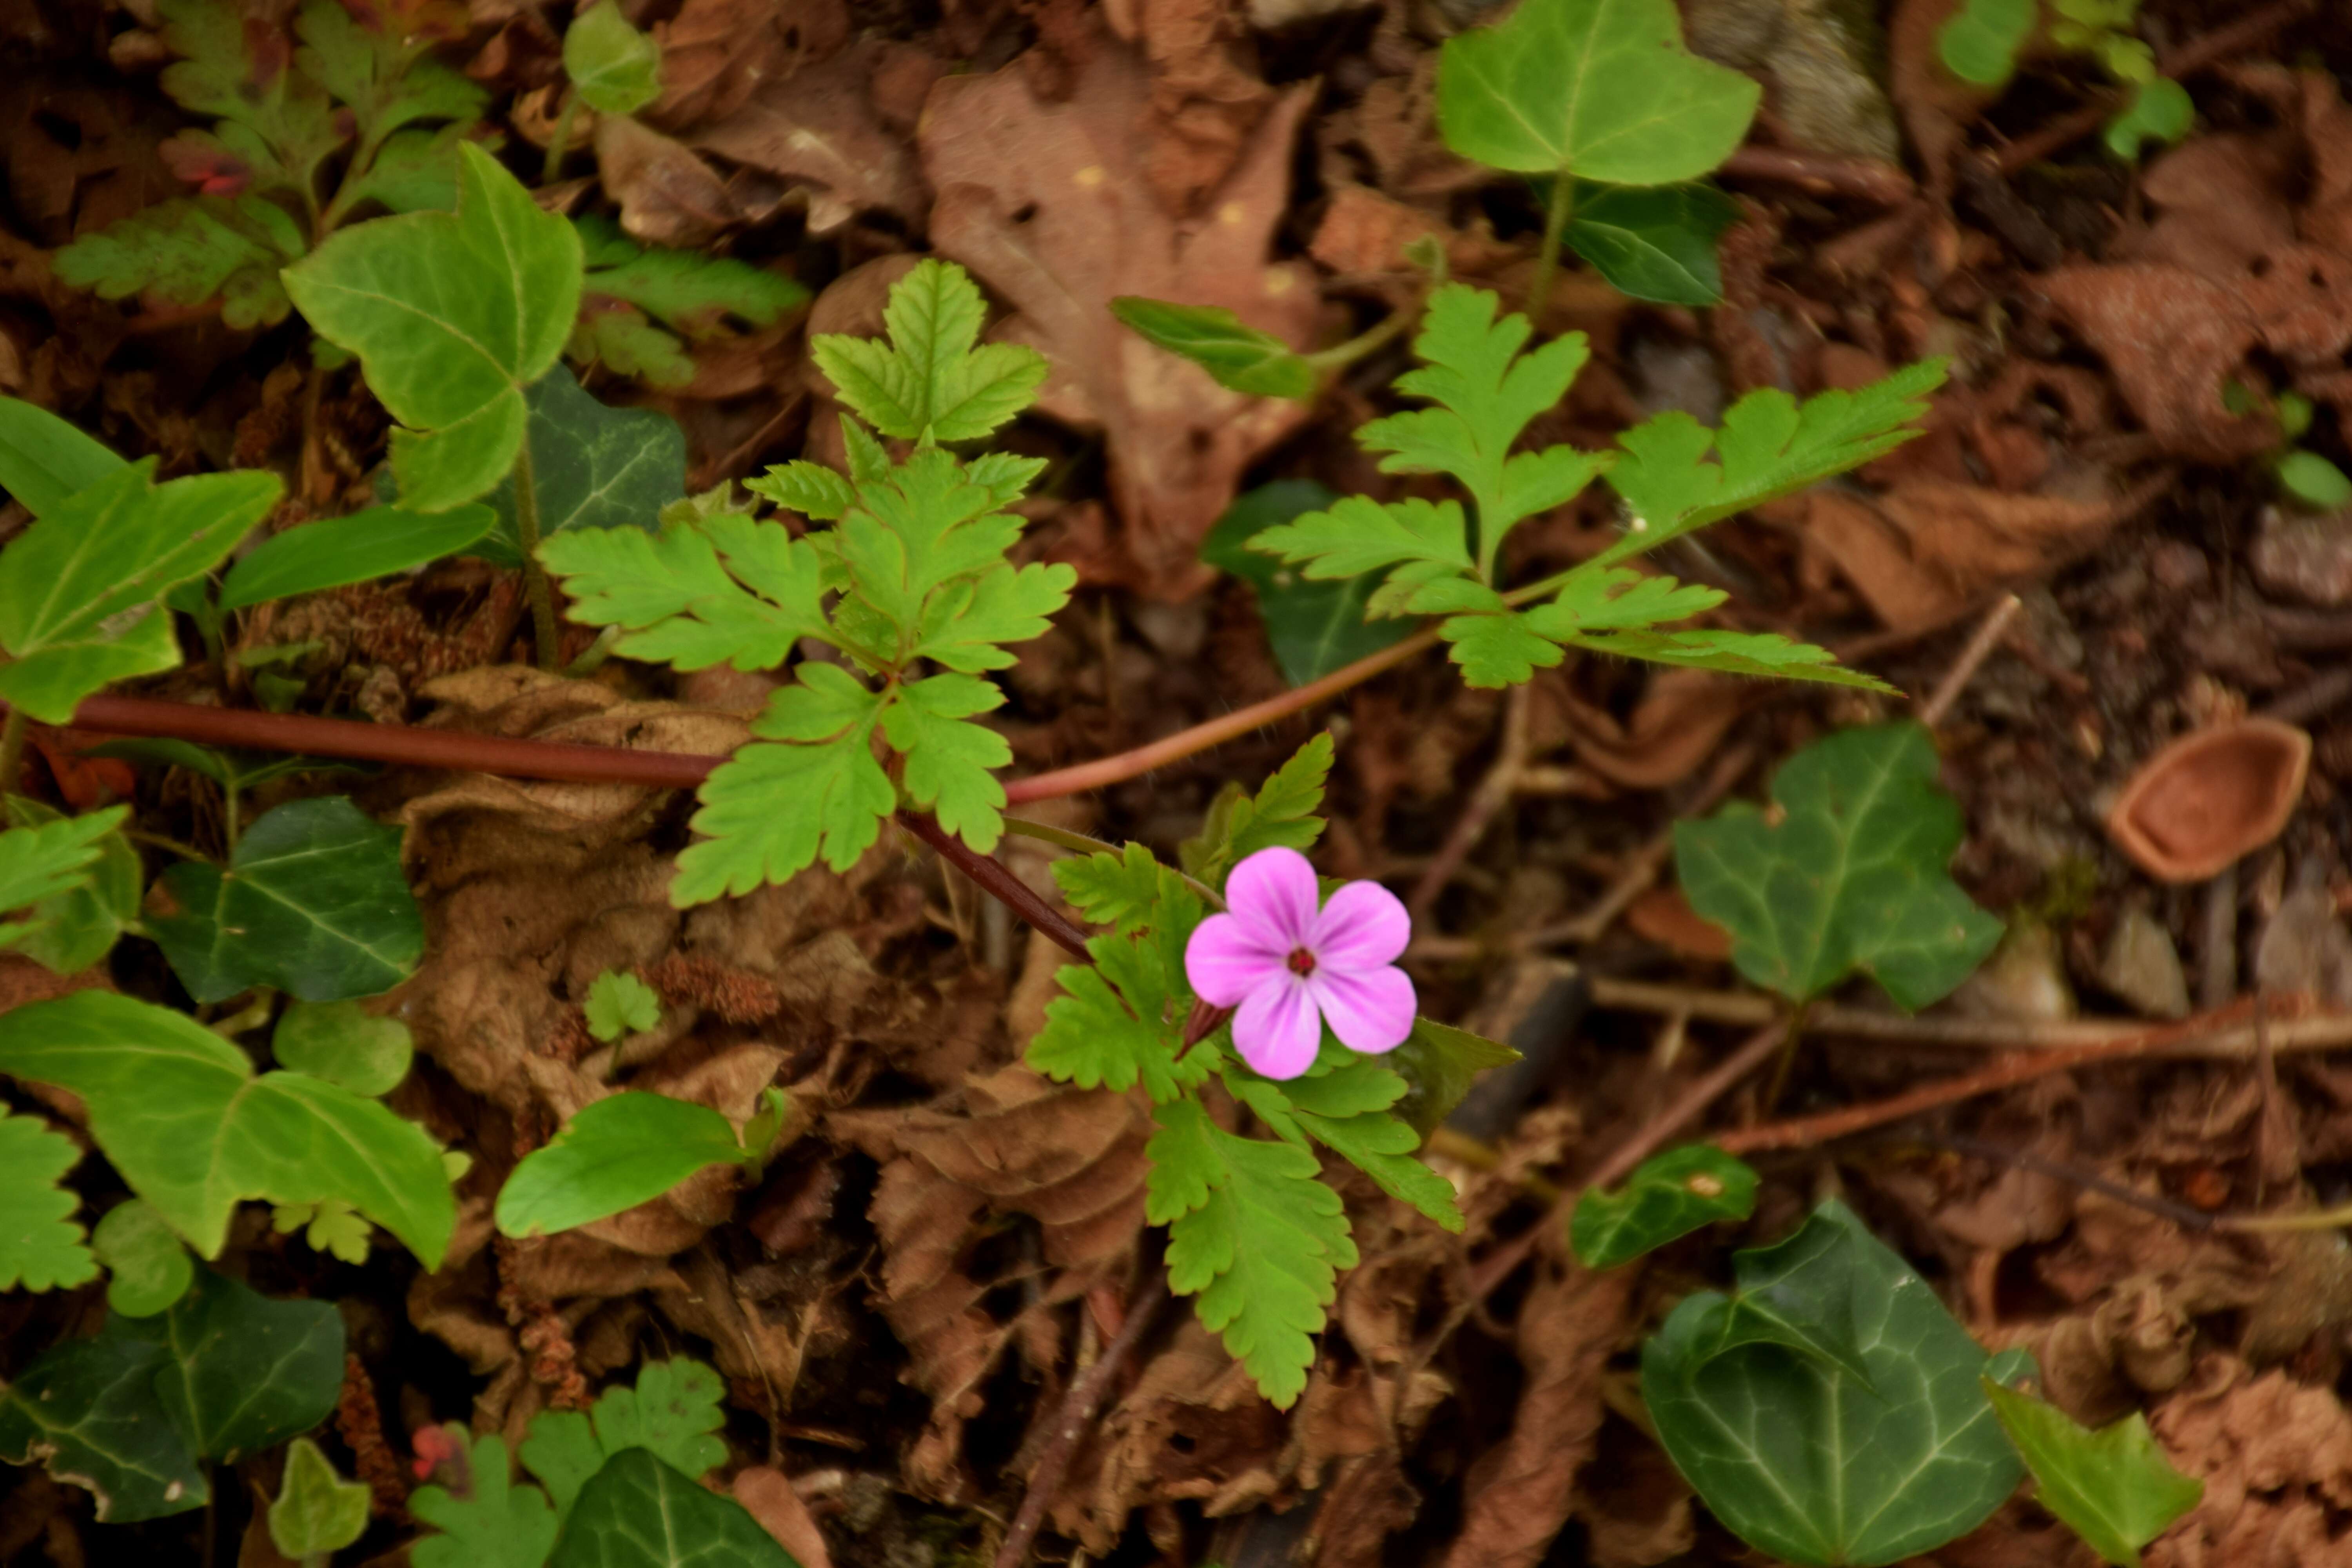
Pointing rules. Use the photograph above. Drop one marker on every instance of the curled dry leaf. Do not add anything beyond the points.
(817, 131)
(2209, 797)
(1049, 203)
(715, 54)
(668, 194)
(766, 1492)
(1674, 729)
(2275, 1457)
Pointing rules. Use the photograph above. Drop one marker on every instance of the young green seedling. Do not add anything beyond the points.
(1982, 40)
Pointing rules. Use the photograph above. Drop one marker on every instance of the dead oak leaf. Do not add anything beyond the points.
(1052, 204)
(817, 131)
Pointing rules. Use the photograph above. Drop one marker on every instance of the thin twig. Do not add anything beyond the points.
(1823, 173)
(994, 879)
(1494, 792)
(1980, 647)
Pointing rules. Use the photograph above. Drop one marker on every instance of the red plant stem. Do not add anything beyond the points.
(998, 882)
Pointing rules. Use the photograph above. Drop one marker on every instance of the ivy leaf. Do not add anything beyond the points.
(500, 1525)
(1668, 1196)
(1850, 876)
(1600, 89)
(40, 1246)
(614, 1155)
(839, 792)
(1803, 1460)
(333, 552)
(1797, 1294)
(73, 584)
(45, 859)
(344, 1043)
(620, 1004)
(1282, 813)
(718, 589)
(1980, 41)
(1762, 654)
(616, 68)
(1655, 243)
(1239, 357)
(688, 291)
(2115, 1487)
(1768, 446)
(190, 250)
(242, 1372)
(639, 1512)
(316, 1510)
(87, 1409)
(180, 1116)
(948, 759)
(452, 315)
(1314, 628)
(313, 902)
(929, 383)
(148, 1267)
(45, 460)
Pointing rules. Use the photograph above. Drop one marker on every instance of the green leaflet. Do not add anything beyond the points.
(178, 1111)
(1599, 89)
(1285, 812)
(497, 1525)
(1851, 876)
(616, 68)
(1667, 1196)
(332, 551)
(2114, 1488)
(1242, 358)
(452, 316)
(620, 1004)
(45, 857)
(614, 1155)
(344, 1044)
(639, 1512)
(1314, 628)
(190, 249)
(40, 1246)
(316, 1510)
(932, 381)
(692, 295)
(147, 1264)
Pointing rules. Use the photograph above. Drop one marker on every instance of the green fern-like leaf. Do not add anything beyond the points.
(932, 381)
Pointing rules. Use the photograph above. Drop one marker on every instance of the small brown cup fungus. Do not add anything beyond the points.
(2207, 799)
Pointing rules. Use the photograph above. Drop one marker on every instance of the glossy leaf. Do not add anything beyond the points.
(182, 1117)
(616, 68)
(328, 553)
(452, 316)
(1314, 628)
(75, 926)
(344, 1043)
(1848, 874)
(1655, 243)
(1240, 357)
(1803, 1461)
(1667, 1196)
(43, 460)
(639, 1512)
(2115, 1487)
(147, 1264)
(316, 1510)
(593, 466)
(1599, 89)
(313, 902)
(242, 1372)
(497, 1524)
(614, 1155)
(40, 1246)
(88, 1410)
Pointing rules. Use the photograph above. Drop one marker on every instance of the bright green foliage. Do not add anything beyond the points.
(917, 559)
(639, 1512)
(344, 1043)
(1240, 358)
(1654, 243)
(1802, 1458)
(616, 68)
(592, 466)
(360, 548)
(43, 460)
(77, 588)
(452, 316)
(313, 904)
(1980, 40)
(1667, 1196)
(1983, 38)
(620, 1004)
(614, 1155)
(316, 1510)
(692, 295)
(1346, 1109)
(190, 249)
(672, 1413)
(88, 1409)
(1284, 812)
(1314, 628)
(1599, 89)
(179, 1113)
(47, 859)
(2161, 110)
(40, 1246)
(2314, 480)
(330, 1225)
(2115, 1487)
(1849, 872)
(148, 1265)
(496, 1525)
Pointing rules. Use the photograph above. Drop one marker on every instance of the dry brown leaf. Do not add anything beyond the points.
(1674, 729)
(2276, 1460)
(2171, 337)
(1664, 916)
(666, 194)
(817, 130)
(1049, 203)
(767, 1494)
(715, 53)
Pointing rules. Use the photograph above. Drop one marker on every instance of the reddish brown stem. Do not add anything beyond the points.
(998, 883)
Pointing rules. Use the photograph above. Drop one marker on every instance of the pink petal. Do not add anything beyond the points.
(1369, 1009)
(1273, 893)
(1226, 961)
(1363, 927)
(1277, 1029)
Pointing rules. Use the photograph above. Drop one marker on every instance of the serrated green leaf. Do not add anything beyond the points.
(1121, 1021)
(316, 1510)
(563, 1451)
(243, 1372)
(1980, 41)
(639, 1512)
(2115, 1487)
(1122, 889)
(690, 292)
(623, 340)
(614, 1155)
(1655, 243)
(313, 902)
(810, 489)
(1383, 1148)
(1801, 1461)
(189, 250)
(722, 589)
(672, 1413)
(1667, 1196)
(332, 1227)
(620, 1004)
(328, 553)
(45, 459)
(963, 627)
(1439, 1063)
(1314, 628)
(1599, 89)
(344, 1043)
(911, 535)
(1240, 357)
(1496, 649)
(276, 121)
(386, 80)
(929, 383)
(1615, 598)
(40, 1246)
(948, 758)
(148, 1265)
(88, 1410)
(45, 859)
(1357, 534)
(452, 315)
(72, 584)
(499, 1525)
(1284, 812)
(616, 68)
(180, 1116)
(1762, 654)
(1768, 446)
(1850, 877)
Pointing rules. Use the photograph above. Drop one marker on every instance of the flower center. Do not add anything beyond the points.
(1301, 961)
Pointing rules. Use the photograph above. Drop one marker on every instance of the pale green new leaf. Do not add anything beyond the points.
(614, 1155)
(1851, 875)
(180, 1116)
(1599, 89)
(499, 1525)
(1282, 813)
(316, 1511)
(1667, 1196)
(1240, 357)
(722, 589)
(147, 1265)
(1605, 599)
(618, 1003)
(616, 68)
(929, 383)
(2115, 1487)
(948, 758)
(1497, 649)
(452, 315)
(40, 1246)
(330, 1226)
(344, 1043)
(1122, 890)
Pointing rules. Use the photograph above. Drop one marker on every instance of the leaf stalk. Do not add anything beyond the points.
(534, 576)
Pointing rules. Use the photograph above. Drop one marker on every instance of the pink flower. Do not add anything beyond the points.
(1287, 966)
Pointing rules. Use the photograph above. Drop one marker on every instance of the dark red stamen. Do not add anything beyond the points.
(1301, 961)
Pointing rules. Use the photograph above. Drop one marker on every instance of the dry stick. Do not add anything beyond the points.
(1979, 648)
(1071, 1421)
(1494, 792)
(1823, 173)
